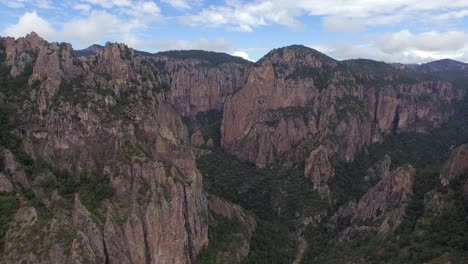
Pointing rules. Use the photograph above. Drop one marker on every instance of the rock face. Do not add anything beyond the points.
(456, 166)
(382, 208)
(234, 213)
(5, 184)
(198, 82)
(300, 105)
(104, 115)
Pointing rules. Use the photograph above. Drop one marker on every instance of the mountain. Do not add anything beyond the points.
(200, 80)
(89, 51)
(299, 105)
(445, 65)
(112, 155)
(96, 166)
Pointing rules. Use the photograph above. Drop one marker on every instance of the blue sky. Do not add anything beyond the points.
(405, 31)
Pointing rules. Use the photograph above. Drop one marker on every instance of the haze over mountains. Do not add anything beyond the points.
(112, 155)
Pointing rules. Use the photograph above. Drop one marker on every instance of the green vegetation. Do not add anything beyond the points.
(10, 141)
(420, 150)
(71, 91)
(277, 196)
(379, 74)
(223, 236)
(210, 124)
(301, 49)
(271, 244)
(321, 78)
(93, 187)
(8, 206)
(424, 234)
(215, 58)
(123, 101)
(306, 113)
(274, 194)
(209, 117)
(16, 89)
(351, 105)
(162, 87)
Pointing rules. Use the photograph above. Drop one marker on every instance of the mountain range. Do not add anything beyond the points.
(113, 155)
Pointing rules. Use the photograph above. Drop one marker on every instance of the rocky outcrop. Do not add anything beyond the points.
(382, 208)
(300, 105)
(5, 184)
(456, 166)
(198, 82)
(232, 212)
(240, 246)
(103, 118)
(197, 139)
(12, 168)
(320, 169)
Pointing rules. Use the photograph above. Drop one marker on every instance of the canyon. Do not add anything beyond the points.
(112, 155)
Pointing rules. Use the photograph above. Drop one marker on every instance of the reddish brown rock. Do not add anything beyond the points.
(382, 208)
(5, 184)
(297, 103)
(456, 166)
(200, 85)
(17, 173)
(197, 139)
(319, 168)
(210, 143)
(105, 113)
(232, 212)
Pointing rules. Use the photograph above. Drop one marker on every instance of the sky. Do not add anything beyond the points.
(406, 31)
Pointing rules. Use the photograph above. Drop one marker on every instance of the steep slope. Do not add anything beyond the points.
(456, 167)
(300, 105)
(382, 208)
(445, 65)
(103, 173)
(200, 81)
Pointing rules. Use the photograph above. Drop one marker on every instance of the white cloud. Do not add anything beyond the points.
(28, 22)
(90, 29)
(110, 3)
(144, 11)
(98, 26)
(82, 7)
(404, 47)
(431, 41)
(13, 3)
(44, 4)
(200, 44)
(453, 15)
(178, 4)
(341, 24)
(246, 15)
(242, 54)
(121, 20)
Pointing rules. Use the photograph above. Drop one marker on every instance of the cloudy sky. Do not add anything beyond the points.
(407, 31)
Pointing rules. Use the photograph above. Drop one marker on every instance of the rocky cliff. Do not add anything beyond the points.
(111, 178)
(456, 166)
(382, 208)
(300, 105)
(200, 81)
